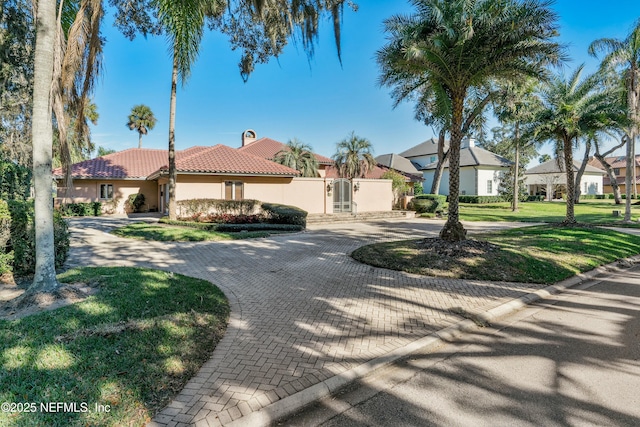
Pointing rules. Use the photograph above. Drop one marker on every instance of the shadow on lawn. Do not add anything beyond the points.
(130, 348)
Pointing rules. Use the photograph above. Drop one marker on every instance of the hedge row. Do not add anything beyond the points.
(236, 211)
(193, 207)
(233, 227)
(81, 209)
(480, 199)
(22, 243)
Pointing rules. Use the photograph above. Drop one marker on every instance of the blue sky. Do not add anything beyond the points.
(318, 101)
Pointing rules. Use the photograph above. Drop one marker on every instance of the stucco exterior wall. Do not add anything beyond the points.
(485, 175)
(373, 195)
(89, 191)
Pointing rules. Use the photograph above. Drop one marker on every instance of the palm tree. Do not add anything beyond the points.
(625, 55)
(44, 279)
(141, 120)
(299, 156)
(516, 105)
(573, 107)
(455, 46)
(353, 157)
(183, 22)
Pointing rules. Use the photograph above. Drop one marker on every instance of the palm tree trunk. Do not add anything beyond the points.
(516, 187)
(568, 165)
(453, 230)
(172, 141)
(139, 139)
(583, 166)
(630, 176)
(442, 158)
(44, 279)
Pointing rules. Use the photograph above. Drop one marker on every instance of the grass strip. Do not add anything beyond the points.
(539, 254)
(132, 346)
(598, 212)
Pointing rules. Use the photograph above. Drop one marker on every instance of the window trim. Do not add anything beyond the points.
(108, 186)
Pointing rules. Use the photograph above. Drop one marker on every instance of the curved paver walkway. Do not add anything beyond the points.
(302, 309)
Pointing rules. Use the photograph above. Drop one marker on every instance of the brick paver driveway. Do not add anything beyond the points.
(302, 309)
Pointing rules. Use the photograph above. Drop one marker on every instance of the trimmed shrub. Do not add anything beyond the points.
(535, 198)
(480, 199)
(201, 207)
(233, 227)
(23, 238)
(136, 201)
(284, 214)
(428, 203)
(81, 209)
(6, 256)
(611, 196)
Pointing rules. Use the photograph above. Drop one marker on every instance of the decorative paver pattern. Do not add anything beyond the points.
(302, 309)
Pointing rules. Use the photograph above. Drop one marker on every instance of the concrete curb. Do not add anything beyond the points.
(291, 404)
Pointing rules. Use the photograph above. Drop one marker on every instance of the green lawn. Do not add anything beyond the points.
(171, 233)
(132, 346)
(587, 212)
(539, 254)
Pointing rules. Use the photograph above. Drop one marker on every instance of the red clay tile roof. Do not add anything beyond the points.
(131, 163)
(222, 159)
(141, 163)
(267, 148)
(615, 162)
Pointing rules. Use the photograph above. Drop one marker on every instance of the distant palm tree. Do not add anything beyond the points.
(299, 156)
(625, 55)
(353, 157)
(516, 105)
(457, 46)
(573, 107)
(141, 120)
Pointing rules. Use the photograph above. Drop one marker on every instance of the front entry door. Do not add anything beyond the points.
(341, 195)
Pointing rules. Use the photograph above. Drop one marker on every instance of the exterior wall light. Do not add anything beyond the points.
(356, 187)
(329, 188)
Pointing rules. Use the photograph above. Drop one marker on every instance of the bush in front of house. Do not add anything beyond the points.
(195, 208)
(284, 214)
(23, 237)
(6, 256)
(136, 202)
(81, 209)
(535, 198)
(231, 227)
(428, 203)
(480, 199)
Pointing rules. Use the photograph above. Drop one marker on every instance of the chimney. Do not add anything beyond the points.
(468, 142)
(248, 136)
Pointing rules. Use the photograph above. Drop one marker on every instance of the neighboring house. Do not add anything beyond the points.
(424, 153)
(217, 172)
(480, 170)
(401, 165)
(550, 180)
(619, 165)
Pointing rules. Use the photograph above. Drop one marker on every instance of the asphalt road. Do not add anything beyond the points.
(570, 360)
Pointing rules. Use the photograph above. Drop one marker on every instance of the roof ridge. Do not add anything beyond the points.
(474, 155)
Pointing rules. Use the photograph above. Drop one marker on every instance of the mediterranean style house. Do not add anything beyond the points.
(480, 170)
(219, 172)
